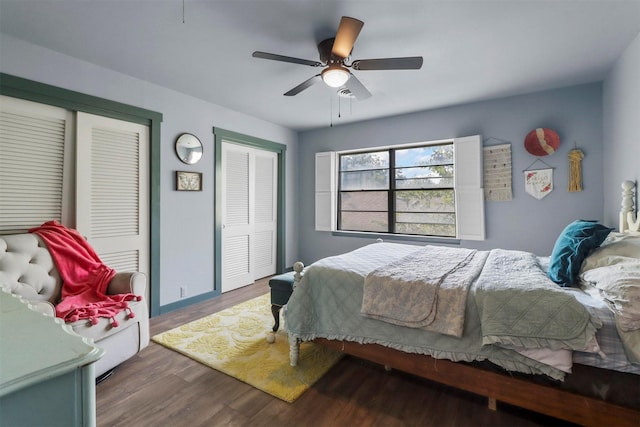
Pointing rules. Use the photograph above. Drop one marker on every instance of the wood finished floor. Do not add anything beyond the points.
(159, 387)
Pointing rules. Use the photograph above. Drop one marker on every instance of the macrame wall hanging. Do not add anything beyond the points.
(575, 169)
(497, 171)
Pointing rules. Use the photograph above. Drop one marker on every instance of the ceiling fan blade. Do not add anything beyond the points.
(274, 57)
(407, 63)
(302, 86)
(346, 36)
(357, 88)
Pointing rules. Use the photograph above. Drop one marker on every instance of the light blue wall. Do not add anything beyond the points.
(621, 94)
(576, 113)
(187, 221)
(524, 223)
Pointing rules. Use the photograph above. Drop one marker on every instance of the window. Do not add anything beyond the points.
(431, 189)
(400, 191)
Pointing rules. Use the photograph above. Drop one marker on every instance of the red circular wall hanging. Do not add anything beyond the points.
(541, 142)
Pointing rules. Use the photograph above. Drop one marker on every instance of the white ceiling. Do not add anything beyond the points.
(473, 50)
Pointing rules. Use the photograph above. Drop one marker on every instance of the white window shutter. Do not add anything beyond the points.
(470, 214)
(468, 186)
(34, 154)
(325, 195)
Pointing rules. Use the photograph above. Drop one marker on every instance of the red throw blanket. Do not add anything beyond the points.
(84, 277)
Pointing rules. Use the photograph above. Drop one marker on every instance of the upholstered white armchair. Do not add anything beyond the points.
(27, 269)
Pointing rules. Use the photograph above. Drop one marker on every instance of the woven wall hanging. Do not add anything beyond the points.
(541, 142)
(575, 169)
(497, 172)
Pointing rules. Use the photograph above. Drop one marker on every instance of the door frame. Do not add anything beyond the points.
(260, 144)
(30, 90)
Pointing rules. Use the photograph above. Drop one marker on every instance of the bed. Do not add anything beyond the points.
(467, 318)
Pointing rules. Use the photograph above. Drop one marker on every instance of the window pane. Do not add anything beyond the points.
(425, 177)
(364, 201)
(364, 221)
(425, 201)
(364, 161)
(443, 230)
(425, 156)
(426, 218)
(364, 180)
(424, 183)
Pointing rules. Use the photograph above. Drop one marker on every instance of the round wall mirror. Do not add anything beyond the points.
(189, 148)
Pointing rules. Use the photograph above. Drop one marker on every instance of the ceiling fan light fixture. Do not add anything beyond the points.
(335, 75)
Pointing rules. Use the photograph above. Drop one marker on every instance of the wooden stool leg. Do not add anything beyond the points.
(275, 310)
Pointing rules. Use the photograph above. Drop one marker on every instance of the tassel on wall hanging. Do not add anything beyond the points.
(575, 169)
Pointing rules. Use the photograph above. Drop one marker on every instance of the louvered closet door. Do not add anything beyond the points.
(249, 215)
(265, 212)
(35, 164)
(112, 190)
(237, 218)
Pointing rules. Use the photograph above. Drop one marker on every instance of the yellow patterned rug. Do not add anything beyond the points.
(233, 341)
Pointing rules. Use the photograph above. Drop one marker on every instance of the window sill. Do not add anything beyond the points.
(403, 237)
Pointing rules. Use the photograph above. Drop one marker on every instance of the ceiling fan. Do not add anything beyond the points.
(334, 52)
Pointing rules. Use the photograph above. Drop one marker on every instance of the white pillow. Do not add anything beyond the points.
(616, 245)
(619, 285)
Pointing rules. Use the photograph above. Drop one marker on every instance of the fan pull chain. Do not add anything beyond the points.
(183, 11)
(330, 112)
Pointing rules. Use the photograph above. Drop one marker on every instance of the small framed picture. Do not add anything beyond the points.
(188, 181)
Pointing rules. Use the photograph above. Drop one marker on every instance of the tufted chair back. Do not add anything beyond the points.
(27, 269)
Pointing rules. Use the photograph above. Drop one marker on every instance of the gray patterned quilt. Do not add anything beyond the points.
(327, 303)
(519, 306)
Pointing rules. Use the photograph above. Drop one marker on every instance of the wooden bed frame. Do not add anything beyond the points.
(545, 399)
(499, 386)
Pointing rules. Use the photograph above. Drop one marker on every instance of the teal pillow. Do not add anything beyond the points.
(572, 246)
